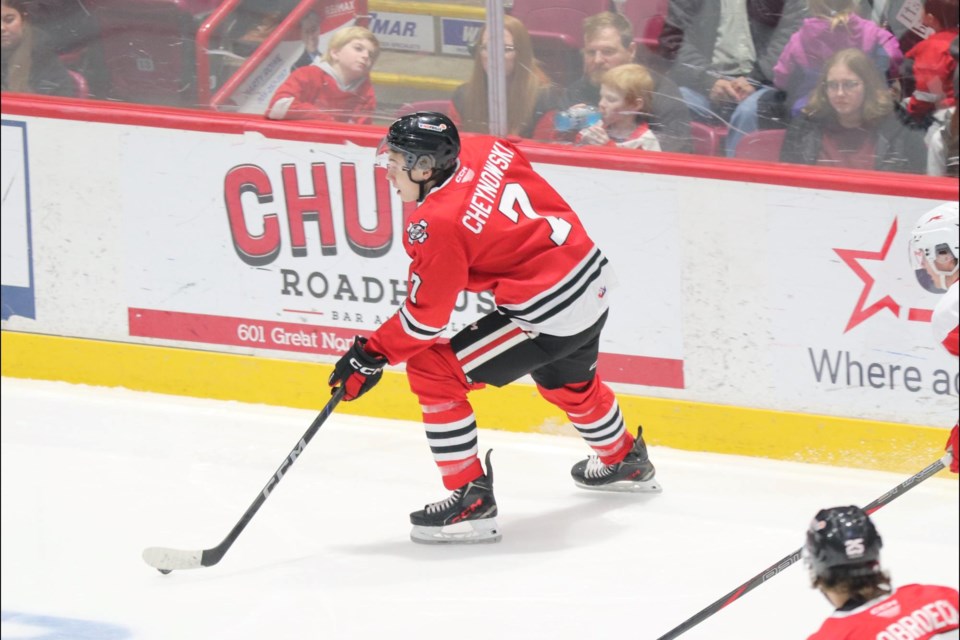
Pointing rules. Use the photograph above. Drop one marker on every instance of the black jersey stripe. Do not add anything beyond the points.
(563, 286)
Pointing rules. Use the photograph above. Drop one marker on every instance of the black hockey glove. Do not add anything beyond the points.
(357, 371)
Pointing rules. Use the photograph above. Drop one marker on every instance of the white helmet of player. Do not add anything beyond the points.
(935, 245)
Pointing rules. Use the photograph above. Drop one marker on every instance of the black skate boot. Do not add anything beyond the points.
(467, 516)
(634, 473)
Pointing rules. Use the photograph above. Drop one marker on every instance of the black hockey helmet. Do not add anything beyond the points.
(427, 140)
(842, 540)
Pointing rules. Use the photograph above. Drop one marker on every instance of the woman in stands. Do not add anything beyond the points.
(337, 88)
(833, 25)
(530, 94)
(849, 122)
(29, 62)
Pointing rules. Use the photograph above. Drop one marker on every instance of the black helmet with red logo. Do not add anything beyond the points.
(427, 140)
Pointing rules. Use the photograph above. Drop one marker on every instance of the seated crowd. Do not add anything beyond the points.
(848, 87)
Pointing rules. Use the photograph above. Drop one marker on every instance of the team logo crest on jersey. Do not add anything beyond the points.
(417, 232)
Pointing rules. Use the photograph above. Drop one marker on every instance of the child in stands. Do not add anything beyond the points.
(625, 93)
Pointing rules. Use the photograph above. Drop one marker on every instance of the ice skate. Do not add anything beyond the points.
(468, 516)
(635, 473)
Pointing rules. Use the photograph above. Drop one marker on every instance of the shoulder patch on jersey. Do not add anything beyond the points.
(417, 232)
(465, 175)
(888, 609)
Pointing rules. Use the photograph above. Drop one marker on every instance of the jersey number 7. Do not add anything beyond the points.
(514, 196)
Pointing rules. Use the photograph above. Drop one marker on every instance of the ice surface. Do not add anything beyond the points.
(92, 476)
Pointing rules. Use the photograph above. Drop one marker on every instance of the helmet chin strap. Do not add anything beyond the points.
(943, 275)
(434, 179)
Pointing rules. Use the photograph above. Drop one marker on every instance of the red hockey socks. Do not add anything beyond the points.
(438, 381)
(593, 409)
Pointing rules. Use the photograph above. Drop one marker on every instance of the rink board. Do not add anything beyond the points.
(759, 311)
(671, 423)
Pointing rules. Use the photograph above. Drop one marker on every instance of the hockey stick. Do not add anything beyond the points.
(166, 560)
(777, 567)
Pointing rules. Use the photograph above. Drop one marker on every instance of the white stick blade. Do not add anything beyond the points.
(165, 559)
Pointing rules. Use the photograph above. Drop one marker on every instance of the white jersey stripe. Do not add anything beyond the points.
(494, 352)
(467, 351)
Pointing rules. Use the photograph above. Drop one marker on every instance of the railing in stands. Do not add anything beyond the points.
(204, 33)
(251, 64)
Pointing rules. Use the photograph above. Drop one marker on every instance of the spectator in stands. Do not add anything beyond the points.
(530, 94)
(833, 25)
(253, 21)
(725, 62)
(29, 63)
(849, 122)
(608, 42)
(624, 95)
(930, 67)
(943, 138)
(310, 34)
(338, 88)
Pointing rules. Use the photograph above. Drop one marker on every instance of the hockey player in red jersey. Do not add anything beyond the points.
(486, 221)
(935, 249)
(842, 552)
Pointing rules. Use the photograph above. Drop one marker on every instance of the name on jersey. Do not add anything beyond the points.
(936, 616)
(488, 186)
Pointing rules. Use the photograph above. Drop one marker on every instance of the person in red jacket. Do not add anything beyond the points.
(486, 221)
(842, 553)
(929, 63)
(935, 249)
(338, 88)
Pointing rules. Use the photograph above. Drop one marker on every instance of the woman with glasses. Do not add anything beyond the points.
(530, 94)
(833, 25)
(849, 122)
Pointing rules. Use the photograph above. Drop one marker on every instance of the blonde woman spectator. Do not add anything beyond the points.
(338, 88)
(29, 63)
(625, 94)
(849, 122)
(833, 25)
(529, 92)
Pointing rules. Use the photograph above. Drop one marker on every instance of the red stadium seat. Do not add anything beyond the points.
(707, 139)
(761, 145)
(647, 18)
(556, 29)
(148, 49)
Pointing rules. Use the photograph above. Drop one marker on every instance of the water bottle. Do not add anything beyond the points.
(576, 118)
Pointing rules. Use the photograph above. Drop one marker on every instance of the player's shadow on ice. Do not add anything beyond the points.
(574, 526)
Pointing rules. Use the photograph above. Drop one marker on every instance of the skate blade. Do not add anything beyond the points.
(640, 486)
(481, 531)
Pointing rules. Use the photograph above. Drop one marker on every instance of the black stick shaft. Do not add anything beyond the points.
(785, 562)
(213, 556)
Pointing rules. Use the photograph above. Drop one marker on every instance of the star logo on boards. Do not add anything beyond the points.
(853, 258)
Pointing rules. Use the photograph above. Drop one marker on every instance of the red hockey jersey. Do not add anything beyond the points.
(495, 225)
(946, 316)
(914, 611)
(933, 69)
